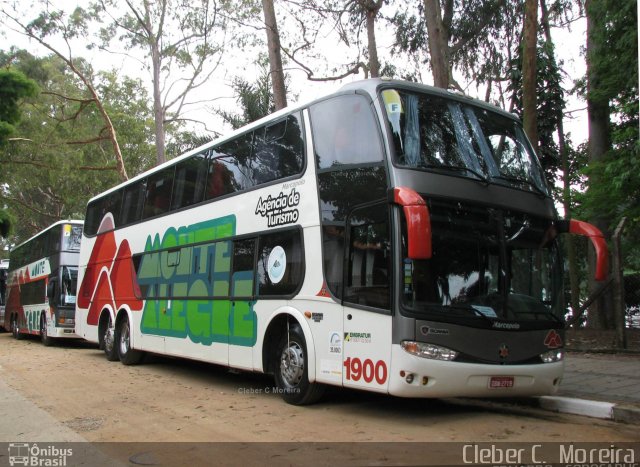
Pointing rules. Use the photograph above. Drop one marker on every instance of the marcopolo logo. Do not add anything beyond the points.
(34, 455)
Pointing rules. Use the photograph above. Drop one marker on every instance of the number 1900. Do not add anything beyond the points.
(356, 369)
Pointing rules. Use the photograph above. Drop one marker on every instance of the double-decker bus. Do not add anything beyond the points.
(4, 266)
(42, 282)
(390, 237)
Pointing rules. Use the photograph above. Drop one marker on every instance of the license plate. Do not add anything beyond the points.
(500, 382)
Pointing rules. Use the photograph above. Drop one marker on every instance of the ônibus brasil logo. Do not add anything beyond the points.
(34, 455)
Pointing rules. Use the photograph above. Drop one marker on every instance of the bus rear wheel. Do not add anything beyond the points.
(15, 330)
(291, 372)
(108, 340)
(44, 337)
(127, 355)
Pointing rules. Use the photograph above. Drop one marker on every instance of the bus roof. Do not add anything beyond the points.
(70, 221)
(369, 86)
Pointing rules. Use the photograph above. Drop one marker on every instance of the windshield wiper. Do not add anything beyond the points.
(529, 183)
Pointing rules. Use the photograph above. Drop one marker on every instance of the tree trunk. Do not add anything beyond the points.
(371, 10)
(599, 143)
(275, 58)
(438, 44)
(158, 108)
(529, 55)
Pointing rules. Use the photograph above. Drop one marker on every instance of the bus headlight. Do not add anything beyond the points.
(552, 356)
(434, 352)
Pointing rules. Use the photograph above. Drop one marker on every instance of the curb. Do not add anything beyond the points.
(590, 408)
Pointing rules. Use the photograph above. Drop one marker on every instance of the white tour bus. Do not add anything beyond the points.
(391, 237)
(42, 283)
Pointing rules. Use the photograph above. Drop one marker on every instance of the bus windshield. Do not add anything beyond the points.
(486, 264)
(445, 135)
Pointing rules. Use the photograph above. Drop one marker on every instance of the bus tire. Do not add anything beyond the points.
(44, 337)
(15, 330)
(127, 355)
(108, 340)
(291, 370)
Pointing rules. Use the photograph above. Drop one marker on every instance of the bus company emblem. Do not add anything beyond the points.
(335, 343)
(361, 337)
(503, 351)
(553, 340)
(426, 330)
(503, 325)
(280, 210)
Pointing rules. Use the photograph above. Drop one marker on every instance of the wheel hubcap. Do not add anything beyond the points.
(124, 339)
(108, 338)
(292, 364)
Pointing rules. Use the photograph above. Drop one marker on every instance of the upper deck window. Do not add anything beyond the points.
(436, 133)
(345, 132)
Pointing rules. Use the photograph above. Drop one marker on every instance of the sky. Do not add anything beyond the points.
(241, 64)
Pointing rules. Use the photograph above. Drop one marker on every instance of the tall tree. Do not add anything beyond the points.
(599, 144)
(313, 24)
(275, 57)
(614, 150)
(474, 37)
(438, 44)
(182, 42)
(529, 59)
(370, 10)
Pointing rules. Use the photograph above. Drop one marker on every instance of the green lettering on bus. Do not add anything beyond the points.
(191, 275)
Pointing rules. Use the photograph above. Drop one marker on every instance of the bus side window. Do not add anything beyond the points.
(369, 273)
(158, 193)
(345, 132)
(280, 263)
(133, 198)
(278, 151)
(190, 181)
(243, 267)
(230, 169)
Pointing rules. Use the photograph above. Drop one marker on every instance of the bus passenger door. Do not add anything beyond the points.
(367, 297)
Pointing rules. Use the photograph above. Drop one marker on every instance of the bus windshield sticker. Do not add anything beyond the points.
(277, 264)
(281, 209)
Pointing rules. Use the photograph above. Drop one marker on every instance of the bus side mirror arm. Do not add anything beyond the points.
(418, 220)
(594, 234)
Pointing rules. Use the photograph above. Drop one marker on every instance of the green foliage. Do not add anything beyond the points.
(255, 99)
(14, 86)
(481, 35)
(61, 157)
(615, 64)
(7, 223)
(550, 103)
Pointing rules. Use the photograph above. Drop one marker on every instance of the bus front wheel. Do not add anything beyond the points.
(291, 372)
(44, 337)
(127, 355)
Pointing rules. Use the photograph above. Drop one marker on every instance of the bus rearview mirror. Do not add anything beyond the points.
(418, 221)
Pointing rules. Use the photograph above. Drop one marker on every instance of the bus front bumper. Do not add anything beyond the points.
(413, 376)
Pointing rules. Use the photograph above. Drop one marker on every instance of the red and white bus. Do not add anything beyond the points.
(391, 237)
(42, 282)
(4, 271)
